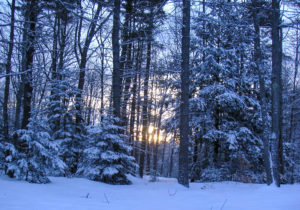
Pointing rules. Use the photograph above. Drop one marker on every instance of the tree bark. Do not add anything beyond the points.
(145, 110)
(276, 89)
(262, 92)
(134, 95)
(291, 136)
(293, 123)
(31, 13)
(116, 89)
(183, 173)
(163, 157)
(8, 70)
(156, 144)
(102, 81)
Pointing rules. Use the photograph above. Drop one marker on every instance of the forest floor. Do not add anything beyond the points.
(165, 194)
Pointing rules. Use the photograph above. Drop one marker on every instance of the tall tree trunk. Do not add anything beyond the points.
(291, 136)
(134, 95)
(56, 29)
(54, 71)
(90, 104)
(293, 123)
(163, 157)
(183, 173)
(150, 135)
(31, 13)
(127, 81)
(262, 91)
(102, 81)
(171, 155)
(276, 88)
(138, 121)
(17, 124)
(145, 110)
(8, 70)
(125, 60)
(116, 59)
(156, 144)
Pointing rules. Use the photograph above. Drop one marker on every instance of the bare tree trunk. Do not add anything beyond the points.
(90, 104)
(276, 89)
(163, 157)
(157, 136)
(116, 80)
(292, 136)
(127, 81)
(183, 175)
(133, 109)
(102, 81)
(145, 111)
(54, 71)
(19, 95)
(31, 13)
(134, 94)
(262, 91)
(126, 60)
(138, 120)
(150, 136)
(8, 70)
(171, 156)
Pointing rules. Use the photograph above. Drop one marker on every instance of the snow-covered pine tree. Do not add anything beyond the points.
(34, 154)
(107, 157)
(5, 150)
(225, 107)
(60, 118)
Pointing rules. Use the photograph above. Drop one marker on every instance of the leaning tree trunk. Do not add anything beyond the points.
(183, 173)
(8, 70)
(276, 89)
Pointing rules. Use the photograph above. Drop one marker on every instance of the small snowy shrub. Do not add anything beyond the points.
(7, 152)
(211, 174)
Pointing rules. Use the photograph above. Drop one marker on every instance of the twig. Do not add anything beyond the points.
(107, 201)
(172, 194)
(223, 204)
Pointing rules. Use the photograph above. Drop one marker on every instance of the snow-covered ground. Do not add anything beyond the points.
(82, 194)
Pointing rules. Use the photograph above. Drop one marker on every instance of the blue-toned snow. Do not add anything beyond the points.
(166, 194)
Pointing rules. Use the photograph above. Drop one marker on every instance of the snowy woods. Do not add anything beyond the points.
(202, 90)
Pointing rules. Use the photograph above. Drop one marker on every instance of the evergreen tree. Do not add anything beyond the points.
(107, 158)
(60, 111)
(34, 154)
(226, 116)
